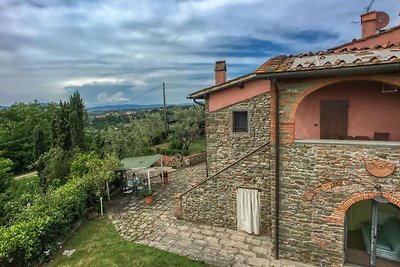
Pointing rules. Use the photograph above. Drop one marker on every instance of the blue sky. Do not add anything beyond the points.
(121, 51)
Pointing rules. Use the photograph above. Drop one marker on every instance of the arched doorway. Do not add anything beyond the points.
(372, 233)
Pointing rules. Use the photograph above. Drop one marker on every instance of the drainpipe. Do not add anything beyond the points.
(277, 163)
(205, 134)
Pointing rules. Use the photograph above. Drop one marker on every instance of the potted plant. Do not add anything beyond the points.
(148, 196)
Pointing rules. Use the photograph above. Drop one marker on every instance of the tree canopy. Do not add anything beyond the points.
(18, 124)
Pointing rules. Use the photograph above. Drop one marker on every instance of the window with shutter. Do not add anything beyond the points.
(240, 122)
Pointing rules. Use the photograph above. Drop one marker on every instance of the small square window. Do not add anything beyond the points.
(240, 122)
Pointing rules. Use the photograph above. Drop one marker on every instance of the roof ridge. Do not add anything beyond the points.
(354, 41)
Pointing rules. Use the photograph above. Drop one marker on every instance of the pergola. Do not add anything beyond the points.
(141, 166)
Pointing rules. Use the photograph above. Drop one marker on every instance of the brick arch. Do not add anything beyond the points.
(339, 213)
(325, 82)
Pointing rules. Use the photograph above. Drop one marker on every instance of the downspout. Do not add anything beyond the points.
(277, 163)
(205, 134)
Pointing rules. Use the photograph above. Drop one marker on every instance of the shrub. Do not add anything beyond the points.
(50, 218)
(148, 151)
(175, 144)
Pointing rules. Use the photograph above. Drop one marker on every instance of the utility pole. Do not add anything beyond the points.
(165, 110)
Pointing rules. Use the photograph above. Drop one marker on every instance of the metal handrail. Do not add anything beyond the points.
(179, 196)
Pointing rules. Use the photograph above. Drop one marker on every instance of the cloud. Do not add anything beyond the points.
(49, 48)
(118, 97)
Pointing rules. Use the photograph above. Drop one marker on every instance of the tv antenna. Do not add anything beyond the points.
(370, 5)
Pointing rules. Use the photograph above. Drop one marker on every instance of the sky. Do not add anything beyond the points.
(121, 51)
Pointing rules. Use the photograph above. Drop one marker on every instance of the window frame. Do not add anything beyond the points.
(248, 122)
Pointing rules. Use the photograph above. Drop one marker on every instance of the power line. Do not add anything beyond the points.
(11, 142)
(194, 85)
(147, 91)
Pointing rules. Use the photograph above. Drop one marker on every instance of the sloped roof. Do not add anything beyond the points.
(355, 42)
(309, 62)
(139, 162)
(330, 59)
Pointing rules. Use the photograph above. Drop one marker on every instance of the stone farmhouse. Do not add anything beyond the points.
(306, 150)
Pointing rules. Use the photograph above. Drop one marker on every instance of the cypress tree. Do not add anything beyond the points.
(76, 120)
(39, 142)
(61, 131)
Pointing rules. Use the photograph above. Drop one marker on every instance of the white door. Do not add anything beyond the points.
(248, 211)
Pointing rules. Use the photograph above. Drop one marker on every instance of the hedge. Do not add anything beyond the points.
(43, 225)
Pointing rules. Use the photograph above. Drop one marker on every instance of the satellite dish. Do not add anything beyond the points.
(382, 20)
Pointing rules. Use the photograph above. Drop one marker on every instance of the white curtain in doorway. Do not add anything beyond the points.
(248, 211)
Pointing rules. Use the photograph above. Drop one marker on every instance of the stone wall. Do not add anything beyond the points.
(223, 146)
(196, 158)
(214, 202)
(319, 182)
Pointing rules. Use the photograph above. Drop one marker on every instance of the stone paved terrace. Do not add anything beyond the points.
(157, 226)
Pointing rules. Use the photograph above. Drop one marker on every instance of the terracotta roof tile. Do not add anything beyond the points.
(330, 59)
(345, 58)
(357, 41)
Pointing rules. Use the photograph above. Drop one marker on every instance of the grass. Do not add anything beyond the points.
(97, 243)
(20, 186)
(198, 145)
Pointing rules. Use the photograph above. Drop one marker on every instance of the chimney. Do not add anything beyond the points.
(220, 72)
(369, 24)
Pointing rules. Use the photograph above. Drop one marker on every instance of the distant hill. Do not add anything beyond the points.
(124, 107)
(119, 107)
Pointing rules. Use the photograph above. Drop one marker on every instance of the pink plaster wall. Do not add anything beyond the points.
(370, 110)
(235, 94)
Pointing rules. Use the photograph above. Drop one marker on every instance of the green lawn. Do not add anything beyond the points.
(198, 145)
(20, 186)
(98, 244)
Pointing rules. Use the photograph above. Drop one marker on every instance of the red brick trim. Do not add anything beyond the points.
(310, 195)
(339, 213)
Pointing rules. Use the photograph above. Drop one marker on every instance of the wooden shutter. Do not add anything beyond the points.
(334, 119)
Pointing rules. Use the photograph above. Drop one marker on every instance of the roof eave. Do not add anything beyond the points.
(201, 94)
(310, 73)
(325, 72)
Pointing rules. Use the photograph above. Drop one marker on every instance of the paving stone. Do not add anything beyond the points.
(226, 254)
(200, 242)
(157, 226)
(227, 242)
(258, 262)
(172, 231)
(184, 233)
(252, 241)
(237, 237)
(241, 245)
(230, 249)
(247, 253)
(218, 229)
(261, 250)
(197, 236)
(208, 232)
(183, 227)
(222, 235)
(212, 239)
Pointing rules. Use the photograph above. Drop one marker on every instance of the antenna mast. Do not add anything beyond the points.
(370, 5)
